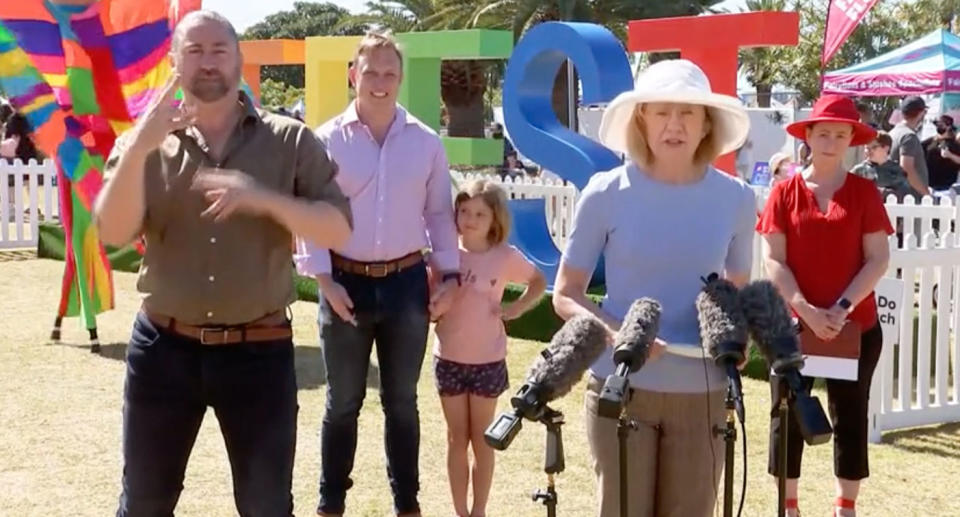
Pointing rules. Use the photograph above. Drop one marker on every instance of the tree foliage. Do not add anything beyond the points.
(762, 65)
(276, 94)
(305, 20)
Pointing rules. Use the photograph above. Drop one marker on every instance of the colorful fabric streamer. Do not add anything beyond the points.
(82, 71)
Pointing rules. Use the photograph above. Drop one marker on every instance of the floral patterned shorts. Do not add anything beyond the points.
(484, 380)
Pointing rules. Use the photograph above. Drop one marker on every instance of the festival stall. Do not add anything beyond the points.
(929, 65)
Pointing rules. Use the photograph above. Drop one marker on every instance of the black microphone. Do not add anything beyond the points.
(723, 330)
(775, 334)
(560, 366)
(631, 350)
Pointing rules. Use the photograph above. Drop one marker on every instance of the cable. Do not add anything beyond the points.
(713, 453)
(743, 488)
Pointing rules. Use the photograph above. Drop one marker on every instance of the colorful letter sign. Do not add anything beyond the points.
(260, 53)
(327, 88)
(528, 112)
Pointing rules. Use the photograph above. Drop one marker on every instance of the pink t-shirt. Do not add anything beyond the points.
(472, 332)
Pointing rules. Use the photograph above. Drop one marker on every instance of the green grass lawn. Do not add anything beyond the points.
(60, 424)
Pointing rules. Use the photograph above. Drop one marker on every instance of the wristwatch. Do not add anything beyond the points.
(449, 276)
(845, 304)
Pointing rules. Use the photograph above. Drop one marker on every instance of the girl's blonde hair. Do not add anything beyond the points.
(639, 150)
(496, 199)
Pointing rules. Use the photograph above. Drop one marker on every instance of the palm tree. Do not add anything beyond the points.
(762, 64)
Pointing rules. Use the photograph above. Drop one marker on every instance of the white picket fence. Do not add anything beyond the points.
(922, 388)
(24, 202)
(560, 199)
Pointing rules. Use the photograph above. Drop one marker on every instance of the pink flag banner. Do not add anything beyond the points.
(842, 18)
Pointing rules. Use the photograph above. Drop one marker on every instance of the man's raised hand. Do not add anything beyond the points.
(162, 118)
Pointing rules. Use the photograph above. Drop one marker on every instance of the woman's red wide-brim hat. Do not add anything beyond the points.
(835, 108)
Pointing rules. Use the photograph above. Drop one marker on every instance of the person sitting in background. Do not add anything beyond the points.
(6, 111)
(497, 134)
(804, 155)
(943, 154)
(779, 167)
(887, 174)
(512, 167)
(17, 144)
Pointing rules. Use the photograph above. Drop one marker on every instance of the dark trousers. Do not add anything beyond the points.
(848, 406)
(391, 311)
(169, 384)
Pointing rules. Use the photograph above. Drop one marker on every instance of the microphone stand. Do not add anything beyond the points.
(553, 460)
(625, 424)
(729, 433)
(613, 404)
(782, 456)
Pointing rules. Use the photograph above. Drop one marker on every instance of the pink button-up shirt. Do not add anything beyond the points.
(400, 194)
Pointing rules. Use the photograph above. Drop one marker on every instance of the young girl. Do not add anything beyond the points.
(471, 342)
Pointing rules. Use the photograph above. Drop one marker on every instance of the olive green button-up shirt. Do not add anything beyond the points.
(201, 272)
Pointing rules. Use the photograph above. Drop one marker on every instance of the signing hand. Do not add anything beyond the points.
(229, 191)
(161, 118)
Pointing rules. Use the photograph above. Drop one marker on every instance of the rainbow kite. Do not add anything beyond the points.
(82, 71)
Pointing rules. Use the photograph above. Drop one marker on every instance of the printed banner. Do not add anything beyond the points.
(842, 17)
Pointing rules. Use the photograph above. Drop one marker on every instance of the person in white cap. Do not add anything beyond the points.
(779, 168)
(662, 221)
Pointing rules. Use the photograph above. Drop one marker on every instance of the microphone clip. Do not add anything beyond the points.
(712, 277)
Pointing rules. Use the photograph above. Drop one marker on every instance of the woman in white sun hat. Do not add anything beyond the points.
(662, 221)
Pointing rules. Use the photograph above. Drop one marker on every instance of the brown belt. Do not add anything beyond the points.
(375, 269)
(272, 327)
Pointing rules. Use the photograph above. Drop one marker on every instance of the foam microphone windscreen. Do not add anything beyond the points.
(723, 327)
(773, 330)
(572, 350)
(771, 325)
(639, 329)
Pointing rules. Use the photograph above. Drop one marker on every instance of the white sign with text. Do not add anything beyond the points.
(889, 295)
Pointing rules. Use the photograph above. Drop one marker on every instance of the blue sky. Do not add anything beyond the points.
(244, 13)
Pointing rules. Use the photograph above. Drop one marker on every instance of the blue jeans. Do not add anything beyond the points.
(170, 382)
(391, 311)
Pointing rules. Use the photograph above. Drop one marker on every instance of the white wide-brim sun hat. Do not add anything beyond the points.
(682, 82)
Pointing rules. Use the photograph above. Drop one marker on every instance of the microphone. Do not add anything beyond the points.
(631, 350)
(572, 350)
(774, 333)
(723, 330)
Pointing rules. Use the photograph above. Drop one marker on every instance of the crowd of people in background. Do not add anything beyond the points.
(900, 161)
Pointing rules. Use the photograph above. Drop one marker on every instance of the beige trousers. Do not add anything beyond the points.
(675, 460)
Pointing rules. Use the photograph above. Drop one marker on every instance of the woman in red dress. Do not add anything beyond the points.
(825, 233)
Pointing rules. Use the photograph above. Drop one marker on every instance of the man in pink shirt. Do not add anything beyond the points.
(395, 172)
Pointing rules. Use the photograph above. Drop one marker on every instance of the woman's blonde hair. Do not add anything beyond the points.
(496, 199)
(639, 150)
